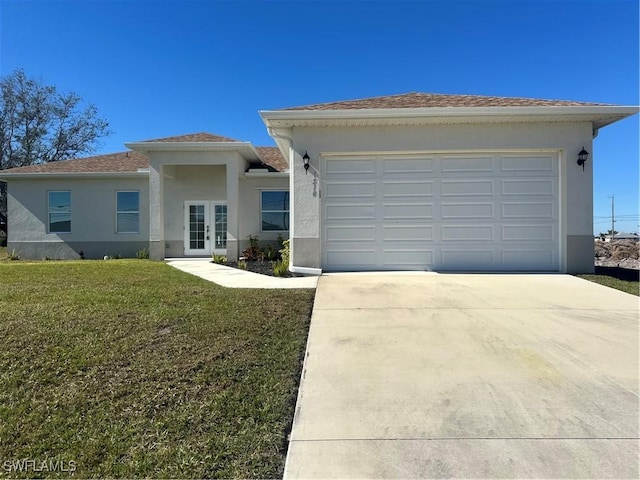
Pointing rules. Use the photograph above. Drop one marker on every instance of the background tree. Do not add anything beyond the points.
(38, 124)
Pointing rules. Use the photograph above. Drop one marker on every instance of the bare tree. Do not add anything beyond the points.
(38, 124)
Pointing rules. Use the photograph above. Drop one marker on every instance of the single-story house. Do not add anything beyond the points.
(623, 236)
(404, 182)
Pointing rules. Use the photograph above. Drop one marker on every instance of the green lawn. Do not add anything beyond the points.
(130, 368)
(627, 286)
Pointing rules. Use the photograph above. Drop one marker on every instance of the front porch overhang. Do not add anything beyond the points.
(166, 158)
(245, 149)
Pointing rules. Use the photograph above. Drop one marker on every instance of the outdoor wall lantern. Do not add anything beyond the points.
(305, 159)
(582, 158)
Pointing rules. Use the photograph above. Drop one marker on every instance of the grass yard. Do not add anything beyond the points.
(628, 286)
(131, 368)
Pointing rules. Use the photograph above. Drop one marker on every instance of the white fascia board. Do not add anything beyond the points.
(43, 175)
(284, 174)
(600, 114)
(246, 149)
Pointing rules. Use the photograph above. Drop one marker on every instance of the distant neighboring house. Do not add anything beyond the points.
(404, 182)
(623, 236)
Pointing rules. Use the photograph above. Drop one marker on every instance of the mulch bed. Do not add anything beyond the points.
(264, 268)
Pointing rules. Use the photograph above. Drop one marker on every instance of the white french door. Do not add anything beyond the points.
(205, 227)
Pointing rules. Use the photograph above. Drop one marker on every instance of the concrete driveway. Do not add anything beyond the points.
(468, 376)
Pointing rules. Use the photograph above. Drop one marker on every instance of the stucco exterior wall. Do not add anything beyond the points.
(93, 218)
(576, 185)
(249, 222)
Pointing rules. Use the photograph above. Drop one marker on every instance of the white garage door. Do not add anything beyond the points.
(484, 212)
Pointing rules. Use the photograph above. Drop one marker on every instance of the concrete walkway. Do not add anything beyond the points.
(468, 376)
(236, 278)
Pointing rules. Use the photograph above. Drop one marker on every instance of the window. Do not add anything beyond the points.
(60, 212)
(221, 227)
(274, 210)
(127, 212)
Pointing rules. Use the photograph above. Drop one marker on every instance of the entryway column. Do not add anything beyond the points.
(156, 212)
(233, 196)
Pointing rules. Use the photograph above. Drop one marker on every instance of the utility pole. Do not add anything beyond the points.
(613, 216)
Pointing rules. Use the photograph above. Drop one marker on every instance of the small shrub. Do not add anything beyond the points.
(242, 264)
(270, 253)
(143, 254)
(13, 255)
(253, 252)
(280, 268)
(285, 252)
(115, 256)
(219, 259)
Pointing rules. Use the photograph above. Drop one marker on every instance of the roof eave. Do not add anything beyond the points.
(31, 175)
(598, 114)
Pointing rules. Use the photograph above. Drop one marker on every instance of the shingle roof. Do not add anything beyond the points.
(111, 163)
(195, 137)
(432, 100)
(125, 162)
(272, 157)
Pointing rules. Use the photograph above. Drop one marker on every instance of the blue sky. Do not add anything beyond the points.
(162, 68)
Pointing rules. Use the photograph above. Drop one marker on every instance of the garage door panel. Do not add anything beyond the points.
(456, 259)
(407, 211)
(407, 166)
(353, 189)
(467, 187)
(351, 233)
(530, 164)
(407, 258)
(460, 164)
(528, 187)
(466, 210)
(352, 258)
(401, 233)
(407, 188)
(355, 167)
(528, 259)
(543, 210)
(528, 233)
(467, 233)
(485, 212)
(351, 212)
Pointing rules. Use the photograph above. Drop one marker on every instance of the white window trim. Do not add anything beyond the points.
(137, 232)
(49, 232)
(279, 211)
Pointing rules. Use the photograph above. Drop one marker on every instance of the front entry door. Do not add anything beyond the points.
(205, 228)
